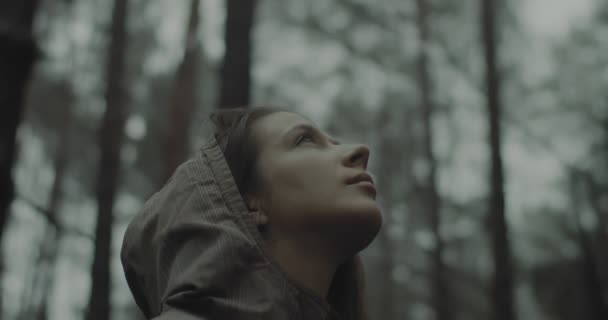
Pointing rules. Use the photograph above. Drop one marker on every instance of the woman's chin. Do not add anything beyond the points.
(374, 220)
(364, 223)
(366, 208)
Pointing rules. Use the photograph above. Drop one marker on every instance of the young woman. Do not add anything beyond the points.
(265, 222)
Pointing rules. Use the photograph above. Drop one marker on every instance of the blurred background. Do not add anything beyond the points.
(487, 122)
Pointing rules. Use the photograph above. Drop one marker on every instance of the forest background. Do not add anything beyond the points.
(487, 122)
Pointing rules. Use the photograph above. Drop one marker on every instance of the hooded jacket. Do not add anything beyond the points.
(194, 253)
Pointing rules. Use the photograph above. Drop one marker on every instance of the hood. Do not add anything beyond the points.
(194, 252)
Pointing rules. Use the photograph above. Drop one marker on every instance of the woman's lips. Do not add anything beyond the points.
(366, 185)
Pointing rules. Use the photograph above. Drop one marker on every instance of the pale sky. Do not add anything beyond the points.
(553, 18)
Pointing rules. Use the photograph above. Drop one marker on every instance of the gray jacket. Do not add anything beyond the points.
(194, 252)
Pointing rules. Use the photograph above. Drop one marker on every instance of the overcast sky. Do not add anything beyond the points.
(553, 18)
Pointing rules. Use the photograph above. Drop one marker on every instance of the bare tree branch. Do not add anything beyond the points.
(50, 218)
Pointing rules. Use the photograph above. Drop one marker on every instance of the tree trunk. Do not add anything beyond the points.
(432, 201)
(503, 275)
(111, 136)
(236, 68)
(386, 302)
(36, 299)
(589, 264)
(50, 247)
(18, 53)
(184, 97)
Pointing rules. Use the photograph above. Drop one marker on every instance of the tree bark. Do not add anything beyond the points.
(236, 68)
(432, 201)
(18, 53)
(49, 249)
(589, 264)
(184, 97)
(503, 276)
(386, 302)
(111, 136)
(37, 298)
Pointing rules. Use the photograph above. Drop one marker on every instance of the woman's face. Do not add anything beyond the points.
(303, 185)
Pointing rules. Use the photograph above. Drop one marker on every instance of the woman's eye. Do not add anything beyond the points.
(304, 137)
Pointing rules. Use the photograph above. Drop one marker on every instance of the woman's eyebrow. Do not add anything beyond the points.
(305, 126)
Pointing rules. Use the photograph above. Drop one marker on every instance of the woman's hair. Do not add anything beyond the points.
(236, 139)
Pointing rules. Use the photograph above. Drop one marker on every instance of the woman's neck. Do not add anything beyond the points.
(310, 266)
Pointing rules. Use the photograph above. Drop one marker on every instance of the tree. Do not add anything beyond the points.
(111, 136)
(18, 53)
(387, 148)
(184, 97)
(433, 201)
(36, 300)
(236, 68)
(589, 265)
(503, 274)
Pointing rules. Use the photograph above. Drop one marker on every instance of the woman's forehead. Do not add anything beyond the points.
(272, 128)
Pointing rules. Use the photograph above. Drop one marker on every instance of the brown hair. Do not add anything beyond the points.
(233, 132)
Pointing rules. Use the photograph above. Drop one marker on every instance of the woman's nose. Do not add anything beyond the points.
(358, 156)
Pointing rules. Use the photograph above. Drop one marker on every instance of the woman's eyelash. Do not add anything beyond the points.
(304, 135)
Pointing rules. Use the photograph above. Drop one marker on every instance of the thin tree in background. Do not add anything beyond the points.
(18, 54)
(502, 287)
(48, 252)
(184, 96)
(588, 264)
(111, 136)
(432, 201)
(387, 263)
(36, 299)
(235, 84)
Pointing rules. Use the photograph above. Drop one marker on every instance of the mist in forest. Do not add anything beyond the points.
(487, 123)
